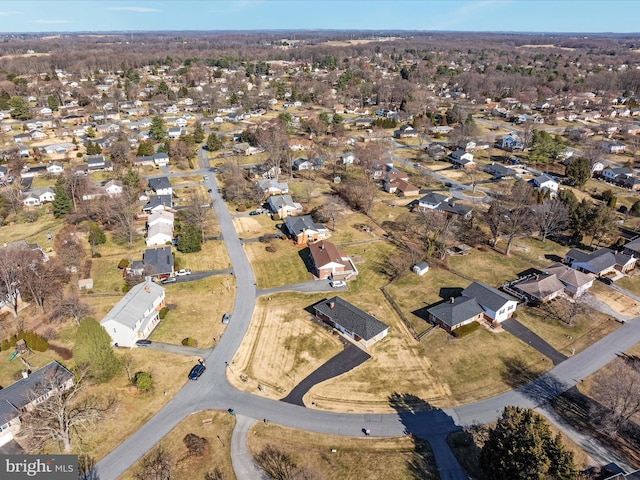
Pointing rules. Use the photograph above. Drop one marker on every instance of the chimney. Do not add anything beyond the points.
(452, 300)
(332, 304)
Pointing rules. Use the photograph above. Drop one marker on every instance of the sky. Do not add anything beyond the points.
(580, 16)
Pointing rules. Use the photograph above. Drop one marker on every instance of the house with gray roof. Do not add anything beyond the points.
(21, 396)
(157, 203)
(136, 315)
(348, 319)
(284, 206)
(455, 313)
(497, 306)
(601, 262)
(160, 185)
(575, 282)
(270, 186)
(304, 230)
(542, 288)
(157, 263)
(497, 171)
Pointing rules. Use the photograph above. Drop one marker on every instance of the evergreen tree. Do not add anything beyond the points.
(213, 142)
(19, 108)
(578, 171)
(62, 203)
(92, 349)
(198, 134)
(146, 149)
(93, 148)
(157, 130)
(521, 446)
(52, 102)
(96, 236)
(189, 239)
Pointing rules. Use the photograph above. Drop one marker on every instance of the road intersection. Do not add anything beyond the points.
(213, 391)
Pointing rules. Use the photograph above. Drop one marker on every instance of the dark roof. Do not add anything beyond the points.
(541, 286)
(157, 200)
(157, 261)
(19, 394)
(487, 296)
(433, 198)
(498, 170)
(455, 312)
(351, 318)
(159, 183)
(455, 208)
(324, 252)
(297, 225)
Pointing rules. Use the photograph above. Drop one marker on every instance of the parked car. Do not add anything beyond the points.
(226, 317)
(143, 343)
(338, 284)
(206, 177)
(254, 212)
(169, 280)
(605, 280)
(209, 190)
(196, 371)
(182, 272)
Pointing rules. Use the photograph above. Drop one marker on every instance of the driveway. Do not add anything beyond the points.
(180, 349)
(312, 286)
(344, 361)
(521, 332)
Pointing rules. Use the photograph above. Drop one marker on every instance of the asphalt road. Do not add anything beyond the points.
(212, 390)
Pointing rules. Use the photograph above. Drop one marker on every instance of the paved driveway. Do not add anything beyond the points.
(521, 332)
(344, 361)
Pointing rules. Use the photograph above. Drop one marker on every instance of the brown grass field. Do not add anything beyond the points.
(377, 458)
(274, 269)
(217, 430)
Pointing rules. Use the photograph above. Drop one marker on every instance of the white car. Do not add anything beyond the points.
(182, 272)
(337, 284)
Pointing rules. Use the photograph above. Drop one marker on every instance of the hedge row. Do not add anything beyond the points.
(465, 330)
(34, 342)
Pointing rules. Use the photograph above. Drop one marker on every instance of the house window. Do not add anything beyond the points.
(511, 307)
(114, 330)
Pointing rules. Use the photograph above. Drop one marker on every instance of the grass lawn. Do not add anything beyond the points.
(414, 294)
(274, 269)
(588, 328)
(213, 256)
(185, 180)
(377, 458)
(217, 430)
(32, 232)
(282, 345)
(200, 306)
(255, 225)
(631, 283)
(541, 254)
(618, 302)
(488, 266)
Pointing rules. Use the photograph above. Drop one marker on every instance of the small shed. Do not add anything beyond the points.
(85, 284)
(420, 268)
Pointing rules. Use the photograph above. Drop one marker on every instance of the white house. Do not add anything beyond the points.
(497, 306)
(136, 315)
(545, 183)
(161, 216)
(161, 186)
(113, 188)
(159, 234)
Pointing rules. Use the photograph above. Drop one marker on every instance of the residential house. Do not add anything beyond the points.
(498, 171)
(632, 248)
(136, 315)
(160, 186)
(4, 173)
(38, 196)
(270, 186)
(546, 184)
(455, 313)
(157, 203)
(159, 234)
(575, 282)
(245, 149)
(631, 182)
(405, 131)
(159, 159)
(348, 319)
(461, 159)
(157, 263)
(328, 262)
(615, 148)
(440, 130)
(432, 201)
(161, 216)
(601, 262)
(466, 145)
(22, 396)
(58, 148)
(616, 175)
(542, 288)
(98, 162)
(34, 171)
(307, 164)
(398, 182)
(113, 188)
(436, 151)
(510, 143)
(284, 206)
(497, 306)
(175, 132)
(304, 230)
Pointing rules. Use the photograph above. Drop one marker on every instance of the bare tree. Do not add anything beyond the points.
(278, 464)
(329, 210)
(273, 137)
(198, 213)
(155, 465)
(87, 468)
(11, 261)
(64, 415)
(69, 306)
(618, 391)
(40, 280)
(119, 213)
(69, 248)
(551, 217)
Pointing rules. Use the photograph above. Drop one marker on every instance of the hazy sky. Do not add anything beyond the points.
(471, 15)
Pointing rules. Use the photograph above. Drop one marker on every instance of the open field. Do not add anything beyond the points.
(217, 430)
(274, 269)
(587, 329)
(377, 458)
(486, 265)
(200, 305)
(213, 256)
(185, 180)
(282, 345)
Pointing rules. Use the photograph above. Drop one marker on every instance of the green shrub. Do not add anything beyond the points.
(5, 345)
(125, 288)
(189, 342)
(122, 264)
(465, 330)
(34, 342)
(143, 381)
(163, 313)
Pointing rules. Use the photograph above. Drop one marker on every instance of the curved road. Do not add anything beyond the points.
(212, 390)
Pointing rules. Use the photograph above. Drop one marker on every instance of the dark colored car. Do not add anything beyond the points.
(196, 371)
(226, 317)
(606, 280)
(254, 212)
(143, 343)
